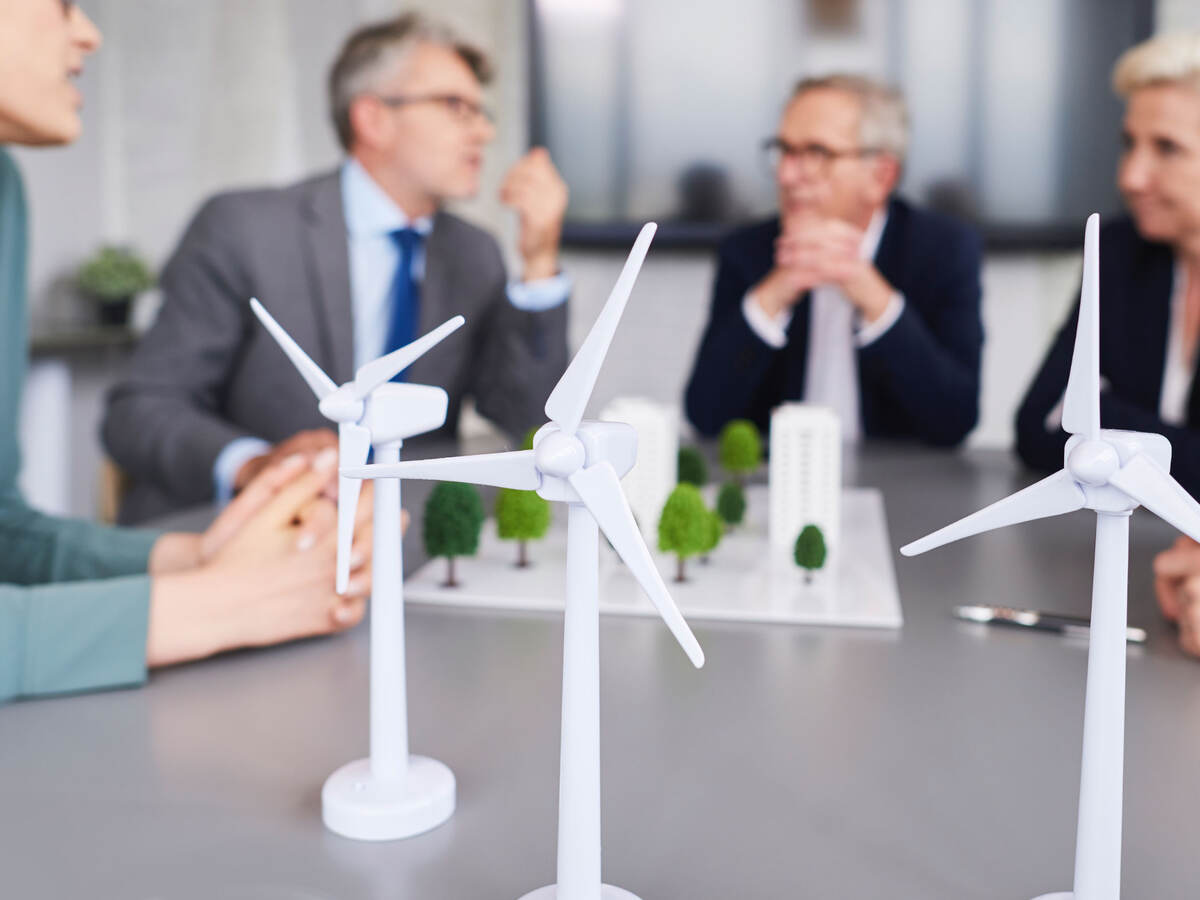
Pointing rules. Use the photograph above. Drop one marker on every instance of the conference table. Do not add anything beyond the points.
(937, 761)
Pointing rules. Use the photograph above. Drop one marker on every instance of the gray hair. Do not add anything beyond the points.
(884, 121)
(373, 50)
(1166, 59)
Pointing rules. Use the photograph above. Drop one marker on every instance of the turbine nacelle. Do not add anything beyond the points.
(559, 455)
(396, 411)
(1093, 463)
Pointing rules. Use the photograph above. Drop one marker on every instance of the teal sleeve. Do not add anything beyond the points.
(36, 548)
(74, 636)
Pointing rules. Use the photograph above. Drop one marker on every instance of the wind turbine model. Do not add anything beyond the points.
(1111, 472)
(578, 463)
(390, 794)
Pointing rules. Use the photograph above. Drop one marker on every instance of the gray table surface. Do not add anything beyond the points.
(940, 761)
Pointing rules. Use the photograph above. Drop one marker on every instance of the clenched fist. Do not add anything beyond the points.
(538, 194)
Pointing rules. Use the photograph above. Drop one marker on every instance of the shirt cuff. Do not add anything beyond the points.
(540, 295)
(868, 334)
(230, 460)
(771, 329)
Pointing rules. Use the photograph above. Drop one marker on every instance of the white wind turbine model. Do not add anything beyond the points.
(1111, 472)
(390, 794)
(578, 463)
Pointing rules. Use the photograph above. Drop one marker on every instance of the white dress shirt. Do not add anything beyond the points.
(835, 332)
(371, 217)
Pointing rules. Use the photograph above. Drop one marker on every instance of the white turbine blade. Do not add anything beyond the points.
(322, 385)
(600, 489)
(1051, 496)
(570, 396)
(514, 469)
(354, 443)
(1081, 405)
(384, 369)
(1149, 484)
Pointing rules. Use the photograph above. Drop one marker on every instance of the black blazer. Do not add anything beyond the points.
(918, 380)
(1136, 278)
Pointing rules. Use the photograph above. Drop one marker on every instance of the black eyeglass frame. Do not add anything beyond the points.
(460, 107)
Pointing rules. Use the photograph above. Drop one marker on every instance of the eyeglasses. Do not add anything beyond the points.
(67, 6)
(814, 155)
(460, 108)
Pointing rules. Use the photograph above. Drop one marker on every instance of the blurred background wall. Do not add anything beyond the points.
(186, 99)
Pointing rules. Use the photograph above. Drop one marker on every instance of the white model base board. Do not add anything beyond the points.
(742, 581)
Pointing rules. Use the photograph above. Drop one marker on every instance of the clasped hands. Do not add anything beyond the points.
(264, 570)
(812, 251)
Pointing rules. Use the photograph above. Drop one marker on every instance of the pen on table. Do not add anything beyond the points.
(1043, 621)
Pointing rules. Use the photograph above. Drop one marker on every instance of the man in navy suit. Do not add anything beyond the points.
(850, 297)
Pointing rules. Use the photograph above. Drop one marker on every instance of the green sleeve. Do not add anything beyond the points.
(74, 636)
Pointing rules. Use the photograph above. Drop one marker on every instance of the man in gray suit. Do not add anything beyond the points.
(352, 263)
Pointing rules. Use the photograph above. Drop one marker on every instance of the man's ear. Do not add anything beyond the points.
(368, 122)
(887, 172)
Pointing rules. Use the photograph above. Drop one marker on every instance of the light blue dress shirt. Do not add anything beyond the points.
(371, 217)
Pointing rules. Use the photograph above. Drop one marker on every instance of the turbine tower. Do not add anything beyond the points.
(1111, 472)
(579, 463)
(390, 794)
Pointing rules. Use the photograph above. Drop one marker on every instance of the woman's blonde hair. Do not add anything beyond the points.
(1165, 59)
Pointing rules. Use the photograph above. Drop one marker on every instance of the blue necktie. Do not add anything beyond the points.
(404, 298)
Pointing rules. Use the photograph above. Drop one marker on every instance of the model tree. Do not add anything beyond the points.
(521, 516)
(740, 448)
(716, 530)
(810, 551)
(527, 444)
(453, 520)
(731, 503)
(683, 528)
(692, 467)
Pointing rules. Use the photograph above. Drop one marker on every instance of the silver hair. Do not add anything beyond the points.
(883, 124)
(373, 51)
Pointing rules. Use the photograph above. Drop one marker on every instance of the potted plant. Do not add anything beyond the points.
(113, 277)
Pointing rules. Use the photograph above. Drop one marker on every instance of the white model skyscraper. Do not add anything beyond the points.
(805, 472)
(655, 473)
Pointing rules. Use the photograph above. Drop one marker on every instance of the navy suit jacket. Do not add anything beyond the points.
(1136, 279)
(920, 379)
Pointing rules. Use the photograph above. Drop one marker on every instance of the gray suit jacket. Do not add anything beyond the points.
(207, 372)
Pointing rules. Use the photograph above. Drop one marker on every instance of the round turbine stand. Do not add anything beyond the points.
(607, 892)
(357, 805)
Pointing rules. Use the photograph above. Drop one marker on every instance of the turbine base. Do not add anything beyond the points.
(1065, 895)
(357, 805)
(607, 892)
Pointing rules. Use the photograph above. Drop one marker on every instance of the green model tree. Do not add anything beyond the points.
(740, 448)
(810, 551)
(683, 528)
(453, 520)
(527, 444)
(731, 503)
(521, 516)
(692, 467)
(716, 530)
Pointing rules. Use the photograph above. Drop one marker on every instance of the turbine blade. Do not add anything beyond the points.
(320, 383)
(1081, 404)
(569, 399)
(600, 489)
(354, 443)
(1150, 485)
(1051, 496)
(384, 369)
(514, 469)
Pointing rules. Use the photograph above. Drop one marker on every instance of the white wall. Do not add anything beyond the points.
(188, 98)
